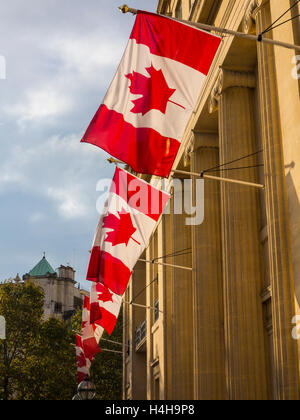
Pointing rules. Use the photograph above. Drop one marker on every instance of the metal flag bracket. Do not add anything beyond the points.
(217, 178)
(258, 38)
(203, 175)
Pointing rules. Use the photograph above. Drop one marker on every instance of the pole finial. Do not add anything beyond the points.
(124, 8)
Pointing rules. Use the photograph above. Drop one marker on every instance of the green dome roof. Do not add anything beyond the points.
(41, 269)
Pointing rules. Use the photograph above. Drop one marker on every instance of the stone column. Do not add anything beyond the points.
(137, 315)
(209, 344)
(182, 308)
(233, 95)
(285, 350)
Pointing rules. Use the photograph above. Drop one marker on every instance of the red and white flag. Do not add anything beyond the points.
(87, 343)
(105, 307)
(153, 94)
(83, 363)
(132, 210)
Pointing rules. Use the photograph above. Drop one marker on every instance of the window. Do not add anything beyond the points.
(140, 333)
(57, 307)
(156, 310)
(143, 330)
(77, 302)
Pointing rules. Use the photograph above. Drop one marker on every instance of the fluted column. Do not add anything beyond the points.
(209, 344)
(233, 96)
(285, 350)
(182, 308)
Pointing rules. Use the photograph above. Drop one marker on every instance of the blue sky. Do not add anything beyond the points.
(60, 59)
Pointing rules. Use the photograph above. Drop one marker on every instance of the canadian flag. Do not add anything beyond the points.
(83, 363)
(105, 307)
(132, 210)
(153, 94)
(87, 343)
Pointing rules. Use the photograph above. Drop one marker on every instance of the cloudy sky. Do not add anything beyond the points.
(60, 58)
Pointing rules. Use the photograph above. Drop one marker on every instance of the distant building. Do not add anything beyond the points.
(62, 297)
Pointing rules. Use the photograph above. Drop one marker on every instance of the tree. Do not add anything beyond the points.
(38, 360)
(22, 307)
(107, 367)
(50, 370)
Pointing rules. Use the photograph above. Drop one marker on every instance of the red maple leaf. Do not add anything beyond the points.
(103, 293)
(122, 228)
(154, 90)
(81, 361)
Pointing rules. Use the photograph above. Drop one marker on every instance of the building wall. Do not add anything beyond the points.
(225, 330)
(60, 292)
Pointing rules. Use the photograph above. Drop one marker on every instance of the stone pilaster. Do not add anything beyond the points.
(285, 350)
(136, 316)
(182, 309)
(233, 96)
(209, 344)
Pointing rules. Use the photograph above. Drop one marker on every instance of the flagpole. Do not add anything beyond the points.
(167, 265)
(217, 178)
(259, 38)
(112, 351)
(141, 306)
(114, 342)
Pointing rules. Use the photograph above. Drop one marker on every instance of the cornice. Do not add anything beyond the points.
(251, 13)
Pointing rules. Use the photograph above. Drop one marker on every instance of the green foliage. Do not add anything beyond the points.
(76, 321)
(22, 307)
(106, 371)
(50, 369)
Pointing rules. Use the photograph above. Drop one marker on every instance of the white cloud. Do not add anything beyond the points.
(89, 54)
(40, 104)
(36, 217)
(70, 202)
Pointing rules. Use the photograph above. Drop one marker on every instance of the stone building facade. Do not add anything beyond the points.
(224, 330)
(62, 297)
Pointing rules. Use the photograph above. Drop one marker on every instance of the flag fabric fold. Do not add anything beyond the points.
(87, 343)
(153, 94)
(131, 212)
(105, 307)
(83, 363)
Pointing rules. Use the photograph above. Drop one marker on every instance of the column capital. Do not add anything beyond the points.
(248, 25)
(188, 151)
(257, 5)
(200, 140)
(228, 79)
